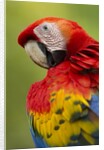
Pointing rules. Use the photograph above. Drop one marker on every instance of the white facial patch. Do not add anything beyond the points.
(35, 53)
(50, 35)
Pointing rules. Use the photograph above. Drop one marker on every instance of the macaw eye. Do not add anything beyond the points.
(45, 27)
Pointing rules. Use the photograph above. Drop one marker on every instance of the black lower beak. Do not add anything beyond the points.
(56, 57)
(53, 58)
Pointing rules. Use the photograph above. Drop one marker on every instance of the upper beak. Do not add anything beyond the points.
(39, 52)
(26, 35)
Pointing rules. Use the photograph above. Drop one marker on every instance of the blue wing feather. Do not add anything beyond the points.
(38, 140)
(94, 104)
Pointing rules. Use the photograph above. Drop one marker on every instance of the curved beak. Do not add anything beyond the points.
(54, 57)
(38, 51)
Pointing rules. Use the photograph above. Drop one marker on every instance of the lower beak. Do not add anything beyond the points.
(54, 57)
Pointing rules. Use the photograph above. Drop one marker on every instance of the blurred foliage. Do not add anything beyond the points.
(21, 72)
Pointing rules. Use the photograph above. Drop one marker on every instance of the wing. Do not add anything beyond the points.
(72, 120)
(94, 104)
(37, 138)
(86, 59)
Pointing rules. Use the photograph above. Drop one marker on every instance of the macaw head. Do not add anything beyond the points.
(50, 41)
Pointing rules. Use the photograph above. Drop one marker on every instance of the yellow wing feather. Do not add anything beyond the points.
(67, 120)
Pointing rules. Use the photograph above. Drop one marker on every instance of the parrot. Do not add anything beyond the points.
(63, 108)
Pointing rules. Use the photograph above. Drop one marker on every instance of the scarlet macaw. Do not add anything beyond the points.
(63, 108)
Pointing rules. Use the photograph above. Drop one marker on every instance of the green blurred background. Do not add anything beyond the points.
(21, 72)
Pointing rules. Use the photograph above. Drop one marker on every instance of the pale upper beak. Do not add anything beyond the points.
(38, 51)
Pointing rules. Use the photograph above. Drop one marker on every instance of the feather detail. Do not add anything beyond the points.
(72, 119)
(86, 58)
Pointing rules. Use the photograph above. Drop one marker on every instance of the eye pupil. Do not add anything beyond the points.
(45, 27)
